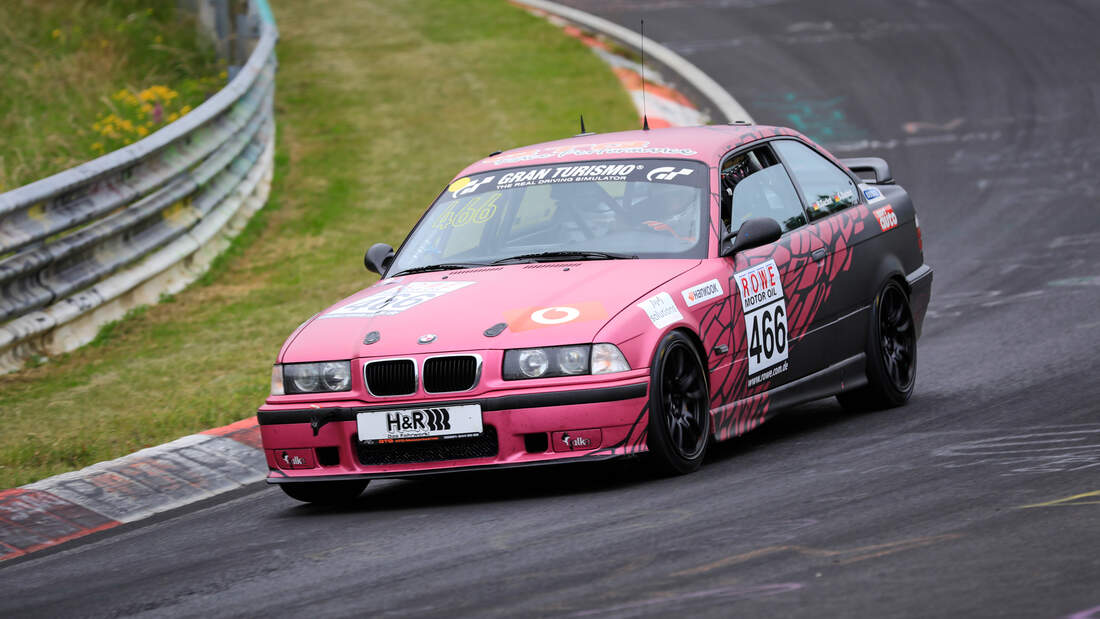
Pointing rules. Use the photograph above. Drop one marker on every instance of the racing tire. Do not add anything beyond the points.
(679, 407)
(325, 492)
(891, 354)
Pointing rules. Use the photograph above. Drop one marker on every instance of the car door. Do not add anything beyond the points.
(768, 286)
(837, 329)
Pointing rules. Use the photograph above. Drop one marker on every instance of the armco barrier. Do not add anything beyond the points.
(82, 247)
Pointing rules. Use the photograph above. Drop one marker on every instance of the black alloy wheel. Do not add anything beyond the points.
(891, 353)
(679, 406)
(898, 342)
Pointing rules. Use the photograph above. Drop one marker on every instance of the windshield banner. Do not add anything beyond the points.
(676, 171)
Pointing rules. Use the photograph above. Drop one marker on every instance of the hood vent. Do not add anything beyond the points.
(479, 270)
(552, 265)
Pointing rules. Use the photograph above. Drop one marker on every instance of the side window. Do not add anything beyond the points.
(754, 184)
(826, 188)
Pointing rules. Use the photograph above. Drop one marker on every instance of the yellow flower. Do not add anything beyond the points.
(223, 75)
(97, 147)
(142, 131)
(185, 109)
(172, 117)
(56, 33)
(158, 39)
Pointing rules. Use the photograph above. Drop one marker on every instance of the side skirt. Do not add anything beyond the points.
(845, 375)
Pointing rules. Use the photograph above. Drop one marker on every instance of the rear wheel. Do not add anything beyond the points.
(891, 353)
(325, 492)
(679, 411)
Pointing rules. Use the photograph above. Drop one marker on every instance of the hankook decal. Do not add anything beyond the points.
(702, 292)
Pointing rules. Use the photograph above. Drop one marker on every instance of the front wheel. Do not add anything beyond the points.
(679, 406)
(891, 353)
(325, 492)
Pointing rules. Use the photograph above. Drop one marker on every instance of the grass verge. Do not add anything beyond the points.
(80, 79)
(379, 104)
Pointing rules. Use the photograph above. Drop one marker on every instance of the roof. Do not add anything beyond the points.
(707, 143)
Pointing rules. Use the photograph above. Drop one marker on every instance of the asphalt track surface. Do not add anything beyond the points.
(987, 112)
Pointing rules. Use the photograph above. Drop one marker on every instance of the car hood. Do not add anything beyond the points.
(542, 304)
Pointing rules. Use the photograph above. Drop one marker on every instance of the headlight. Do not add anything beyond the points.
(533, 362)
(312, 377)
(563, 361)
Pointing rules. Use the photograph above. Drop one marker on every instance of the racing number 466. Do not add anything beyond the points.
(767, 336)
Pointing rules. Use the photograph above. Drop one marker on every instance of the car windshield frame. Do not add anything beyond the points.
(601, 215)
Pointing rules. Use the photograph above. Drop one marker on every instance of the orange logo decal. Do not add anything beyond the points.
(538, 317)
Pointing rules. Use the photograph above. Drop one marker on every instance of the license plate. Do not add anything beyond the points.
(419, 424)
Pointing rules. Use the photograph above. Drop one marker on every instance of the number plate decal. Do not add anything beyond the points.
(395, 300)
(419, 423)
(765, 310)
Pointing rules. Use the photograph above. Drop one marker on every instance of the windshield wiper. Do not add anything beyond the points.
(450, 266)
(567, 255)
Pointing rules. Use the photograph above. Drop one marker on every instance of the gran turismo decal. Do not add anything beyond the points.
(530, 318)
(465, 185)
(395, 300)
(702, 292)
(661, 310)
(886, 217)
(666, 173)
(648, 170)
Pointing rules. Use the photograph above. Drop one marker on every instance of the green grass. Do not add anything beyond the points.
(379, 104)
(63, 64)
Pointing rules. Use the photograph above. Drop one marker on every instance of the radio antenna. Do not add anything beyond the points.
(645, 117)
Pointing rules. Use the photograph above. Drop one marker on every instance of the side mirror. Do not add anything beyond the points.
(753, 233)
(378, 258)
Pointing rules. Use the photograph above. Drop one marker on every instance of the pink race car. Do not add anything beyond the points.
(601, 296)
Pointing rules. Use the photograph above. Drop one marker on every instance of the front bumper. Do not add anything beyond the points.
(543, 427)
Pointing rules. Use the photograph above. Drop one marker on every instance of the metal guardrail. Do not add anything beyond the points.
(80, 248)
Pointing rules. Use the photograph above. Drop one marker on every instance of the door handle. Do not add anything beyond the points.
(818, 254)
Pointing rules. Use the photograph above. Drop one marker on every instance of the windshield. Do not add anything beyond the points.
(647, 208)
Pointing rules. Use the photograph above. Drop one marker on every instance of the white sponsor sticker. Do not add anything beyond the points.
(702, 292)
(395, 300)
(661, 310)
(871, 193)
(452, 421)
(765, 309)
